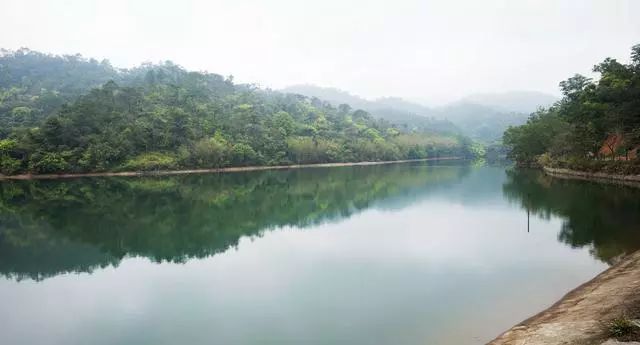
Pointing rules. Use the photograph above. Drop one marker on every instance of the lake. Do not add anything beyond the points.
(424, 253)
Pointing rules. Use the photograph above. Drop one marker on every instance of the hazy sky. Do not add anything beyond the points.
(430, 50)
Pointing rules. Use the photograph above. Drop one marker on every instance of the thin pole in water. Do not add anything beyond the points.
(527, 212)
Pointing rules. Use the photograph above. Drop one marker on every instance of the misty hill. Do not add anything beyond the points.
(515, 101)
(395, 110)
(71, 114)
(481, 122)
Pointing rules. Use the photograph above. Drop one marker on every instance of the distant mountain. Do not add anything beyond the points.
(515, 101)
(329, 94)
(484, 120)
(395, 110)
(399, 103)
(480, 122)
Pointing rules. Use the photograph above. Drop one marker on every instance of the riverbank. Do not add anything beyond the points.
(583, 315)
(629, 180)
(212, 170)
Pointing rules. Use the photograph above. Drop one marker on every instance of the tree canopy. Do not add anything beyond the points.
(591, 113)
(69, 114)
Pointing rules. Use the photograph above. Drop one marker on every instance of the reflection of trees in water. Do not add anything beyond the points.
(605, 217)
(50, 227)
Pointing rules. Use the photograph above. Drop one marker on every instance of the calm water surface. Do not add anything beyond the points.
(396, 254)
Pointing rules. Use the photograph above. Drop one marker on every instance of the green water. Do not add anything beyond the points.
(395, 254)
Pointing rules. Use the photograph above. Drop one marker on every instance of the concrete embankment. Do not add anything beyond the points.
(213, 170)
(630, 180)
(582, 316)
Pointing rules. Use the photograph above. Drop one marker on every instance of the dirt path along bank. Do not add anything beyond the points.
(212, 170)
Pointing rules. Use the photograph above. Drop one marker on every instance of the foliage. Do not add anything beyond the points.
(49, 162)
(97, 118)
(210, 153)
(150, 161)
(590, 113)
(33, 85)
(620, 326)
(8, 164)
(536, 137)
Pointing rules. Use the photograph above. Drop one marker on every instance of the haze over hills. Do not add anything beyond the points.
(515, 101)
(483, 117)
(482, 123)
(395, 110)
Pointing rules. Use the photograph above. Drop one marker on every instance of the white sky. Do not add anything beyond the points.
(435, 51)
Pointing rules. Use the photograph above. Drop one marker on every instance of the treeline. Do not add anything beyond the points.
(69, 114)
(596, 124)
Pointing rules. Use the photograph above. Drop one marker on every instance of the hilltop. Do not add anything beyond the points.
(70, 114)
(482, 117)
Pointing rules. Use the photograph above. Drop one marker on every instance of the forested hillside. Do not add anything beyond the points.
(596, 126)
(391, 109)
(481, 117)
(34, 85)
(70, 114)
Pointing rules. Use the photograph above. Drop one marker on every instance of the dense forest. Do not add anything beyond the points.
(71, 114)
(595, 127)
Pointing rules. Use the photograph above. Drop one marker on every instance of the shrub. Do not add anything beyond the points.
(8, 165)
(48, 162)
(150, 161)
(306, 150)
(211, 152)
(243, 154)
(99, 157)
(545, 160)
(620, 326)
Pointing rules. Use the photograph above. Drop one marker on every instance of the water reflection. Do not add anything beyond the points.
(402, 254)
(605, 217)
(52, 227)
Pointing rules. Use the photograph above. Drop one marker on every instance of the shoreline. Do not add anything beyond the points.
(211, 170)
(627, 180)
(582, 315)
